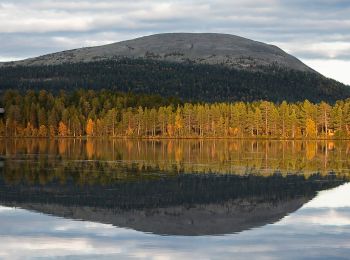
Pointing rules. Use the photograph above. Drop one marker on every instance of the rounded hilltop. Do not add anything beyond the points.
(201, 48)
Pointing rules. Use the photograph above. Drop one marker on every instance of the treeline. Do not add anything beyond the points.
(105, 113)
(188, 81)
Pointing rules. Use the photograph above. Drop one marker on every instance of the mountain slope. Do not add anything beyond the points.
(193, 67)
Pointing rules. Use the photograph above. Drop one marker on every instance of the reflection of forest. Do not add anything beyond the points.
(84, 160)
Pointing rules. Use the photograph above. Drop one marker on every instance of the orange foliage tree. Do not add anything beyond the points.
(90, 127)
(62, 129)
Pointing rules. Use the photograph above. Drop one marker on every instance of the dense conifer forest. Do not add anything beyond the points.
(107, 113)
(187, 81)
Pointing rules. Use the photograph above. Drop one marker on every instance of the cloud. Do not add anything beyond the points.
(315, 29)
(331, 68)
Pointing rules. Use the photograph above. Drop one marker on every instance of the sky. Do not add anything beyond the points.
(315, 31)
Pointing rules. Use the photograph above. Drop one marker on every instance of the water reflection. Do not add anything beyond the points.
(214, 198)
(312, 232)
(153, 187)
(210, 156)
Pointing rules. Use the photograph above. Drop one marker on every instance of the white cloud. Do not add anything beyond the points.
(335, 49)
(336, 69)
(9, 58)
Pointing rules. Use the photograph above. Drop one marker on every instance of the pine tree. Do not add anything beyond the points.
(310, 128)
(139, 122)
(258, 120)
(265, 111)
(178, 122)
(284, 117)
(153, 121)
(324, 117)
(188, 119)
(293, 123)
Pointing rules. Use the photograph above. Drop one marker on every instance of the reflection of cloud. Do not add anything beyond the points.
(54, 245)
(5, 209)
(328, 208)
(320, 229)
(323, 217)
(335, 198)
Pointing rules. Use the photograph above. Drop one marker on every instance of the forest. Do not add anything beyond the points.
(187, 81)
(107, 113)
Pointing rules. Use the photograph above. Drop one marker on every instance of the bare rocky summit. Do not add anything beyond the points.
(200, 48)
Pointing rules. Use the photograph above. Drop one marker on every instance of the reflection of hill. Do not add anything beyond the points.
(202, 219)
(182, 205)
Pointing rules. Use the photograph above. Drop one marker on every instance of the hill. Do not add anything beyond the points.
(196, 67)
(200, 48)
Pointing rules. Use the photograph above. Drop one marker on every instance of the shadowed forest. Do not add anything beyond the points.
(189, 81)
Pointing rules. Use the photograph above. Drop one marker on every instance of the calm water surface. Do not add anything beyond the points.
(214, 199)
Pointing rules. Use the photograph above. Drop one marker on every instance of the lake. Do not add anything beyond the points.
(171, 199)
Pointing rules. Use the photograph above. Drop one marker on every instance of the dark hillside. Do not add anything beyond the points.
(188, 81)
